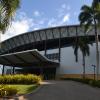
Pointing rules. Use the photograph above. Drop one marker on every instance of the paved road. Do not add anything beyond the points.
(65, 90)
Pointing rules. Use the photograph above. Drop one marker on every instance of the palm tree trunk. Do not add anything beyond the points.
(97, 51)
(83, 66)
(0, 39)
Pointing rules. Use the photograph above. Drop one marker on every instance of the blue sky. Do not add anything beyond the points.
(52, 9)
(37, 14)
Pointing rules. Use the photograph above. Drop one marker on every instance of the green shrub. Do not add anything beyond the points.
(20, 79)
(96, 83)
(86, 81)
(7, 91)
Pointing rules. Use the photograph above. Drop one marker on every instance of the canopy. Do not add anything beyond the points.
(25, 58)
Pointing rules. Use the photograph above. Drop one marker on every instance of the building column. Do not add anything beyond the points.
(45, 52)
(13, 70)
(3, 70)
(45, 44)
(59, 45)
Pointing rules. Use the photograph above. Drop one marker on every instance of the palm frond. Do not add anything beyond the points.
(84, 17)
(7, 10)
(88, 26)
(83, 45)
(86, 8)
(97, 17)
(96, 3)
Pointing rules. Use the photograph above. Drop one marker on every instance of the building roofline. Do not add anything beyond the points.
(42, 29)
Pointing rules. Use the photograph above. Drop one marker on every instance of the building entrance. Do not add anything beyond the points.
(47, 73)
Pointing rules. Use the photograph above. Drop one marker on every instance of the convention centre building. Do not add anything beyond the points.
(48, 52)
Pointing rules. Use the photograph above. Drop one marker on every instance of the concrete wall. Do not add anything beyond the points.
(68, 64)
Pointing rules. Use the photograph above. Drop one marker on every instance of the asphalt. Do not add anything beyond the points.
(63, 90)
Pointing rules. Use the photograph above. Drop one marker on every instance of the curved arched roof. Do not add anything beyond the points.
(30, 40)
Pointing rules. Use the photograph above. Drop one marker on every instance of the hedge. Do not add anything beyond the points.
(7, 90)
(20, 79)
(91, 82)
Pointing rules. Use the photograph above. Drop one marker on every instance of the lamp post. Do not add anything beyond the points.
(94, 67)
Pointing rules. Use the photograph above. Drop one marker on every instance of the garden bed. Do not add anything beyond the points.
(15, 85)
(90, 82)
(22, 89)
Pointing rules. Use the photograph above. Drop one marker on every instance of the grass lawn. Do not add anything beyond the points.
(24, 89)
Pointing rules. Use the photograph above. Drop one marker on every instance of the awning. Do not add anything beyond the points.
(25, 58)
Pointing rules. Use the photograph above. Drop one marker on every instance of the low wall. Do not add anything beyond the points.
(90, 76)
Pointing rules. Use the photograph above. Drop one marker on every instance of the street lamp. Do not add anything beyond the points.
(94, 67)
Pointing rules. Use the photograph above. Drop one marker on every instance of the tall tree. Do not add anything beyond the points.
(82, 43)
(7, 10)
(90, 17)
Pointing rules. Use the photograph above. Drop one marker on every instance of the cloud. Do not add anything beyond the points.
(18, 26)
(62, 16)
(63, 9)
(59, 21)
(68, 7)
(76, 13)
(36, 13)
(52, 22)
(66, 18)
(23, 23)
(63, 6)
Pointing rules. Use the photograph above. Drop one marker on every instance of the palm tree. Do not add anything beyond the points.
(90, 16)
(7, 10)
(82, 43)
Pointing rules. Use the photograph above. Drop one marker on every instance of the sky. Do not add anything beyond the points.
(38, 14)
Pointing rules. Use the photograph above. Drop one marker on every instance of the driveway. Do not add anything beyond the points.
(64, 90)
